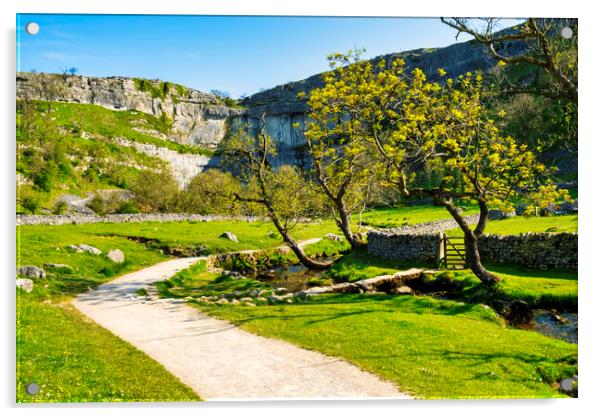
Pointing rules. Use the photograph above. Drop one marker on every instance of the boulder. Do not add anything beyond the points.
(334, 237)
(31, 271)
(519, 313)
(25, 284)
(116, 256)
(80, 248)
(498, 214)
(229, 236)
(404, 290)
(568, 207)
(222, 301)
(235, 302)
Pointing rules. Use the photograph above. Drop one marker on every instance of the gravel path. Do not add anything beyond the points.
(213, 357)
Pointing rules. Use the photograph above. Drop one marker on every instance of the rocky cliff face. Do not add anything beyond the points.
(198, 117)
(280, 107)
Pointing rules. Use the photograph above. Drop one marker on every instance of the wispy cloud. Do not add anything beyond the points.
(54, 56)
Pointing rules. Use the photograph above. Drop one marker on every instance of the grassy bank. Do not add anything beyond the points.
(550, 289)
(430, 348)
(73, 359)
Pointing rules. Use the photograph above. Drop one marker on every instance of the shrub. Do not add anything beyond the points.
(30, 203)
(128, 207)
(59, 207)
(156, 191)
(97, 204)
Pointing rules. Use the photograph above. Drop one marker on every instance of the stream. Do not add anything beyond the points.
(545, 323)
(291, 277)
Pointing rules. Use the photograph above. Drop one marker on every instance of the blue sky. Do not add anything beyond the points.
(236, 54)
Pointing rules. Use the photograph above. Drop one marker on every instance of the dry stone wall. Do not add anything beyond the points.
(533, 250)
(122, 218)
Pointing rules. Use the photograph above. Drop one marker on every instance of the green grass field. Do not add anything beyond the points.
(517, 225)
(56, 344)
(430, 348)
(410, 215)
(73, 359)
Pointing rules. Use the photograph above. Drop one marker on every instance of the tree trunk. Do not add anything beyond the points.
(304, 259)
(473, 258)
(345, 226)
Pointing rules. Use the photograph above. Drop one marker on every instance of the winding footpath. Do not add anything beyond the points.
(216, 359)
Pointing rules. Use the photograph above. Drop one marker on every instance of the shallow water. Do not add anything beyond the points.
(544, 322)
(292, 277)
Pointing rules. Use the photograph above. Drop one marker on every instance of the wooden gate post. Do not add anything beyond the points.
(440, 253)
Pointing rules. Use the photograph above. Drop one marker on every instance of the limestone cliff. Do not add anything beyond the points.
(198, 117)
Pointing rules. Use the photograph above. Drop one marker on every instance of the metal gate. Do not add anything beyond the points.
(454, 256)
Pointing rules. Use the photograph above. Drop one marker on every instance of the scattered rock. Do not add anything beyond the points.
(222, 301)
(116, 256)
(31, 271)
(58, 266)
(568, 208)
(284, 250)
(334, 237)
(235, 302)
(280, 299)
(246, 299)
(229, 236)
(498, 214)
(248, 304)
(404, 290)
(80, 248)
(519, 313)
(557, 317)
(281, 290)
(25, 284)
(234, 275)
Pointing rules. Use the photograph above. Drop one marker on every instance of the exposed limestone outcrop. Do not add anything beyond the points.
(183, 166)
(198, 117)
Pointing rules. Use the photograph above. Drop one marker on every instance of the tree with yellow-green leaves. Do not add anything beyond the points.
(341, 161)
(394, 124)
(287, 196)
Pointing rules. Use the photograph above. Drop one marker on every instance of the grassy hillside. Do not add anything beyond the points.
(68, 148)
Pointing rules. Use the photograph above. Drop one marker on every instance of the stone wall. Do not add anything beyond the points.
(121, 218)
(405, 247)
(532, 250)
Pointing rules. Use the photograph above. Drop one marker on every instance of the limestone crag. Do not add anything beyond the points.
(183, 166)
(198, 117)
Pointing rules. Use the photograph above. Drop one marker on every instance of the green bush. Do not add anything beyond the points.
(59, 207)
(30, 203)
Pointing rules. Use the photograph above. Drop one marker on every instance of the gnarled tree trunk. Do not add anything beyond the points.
(345, 226)
(473, 258)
